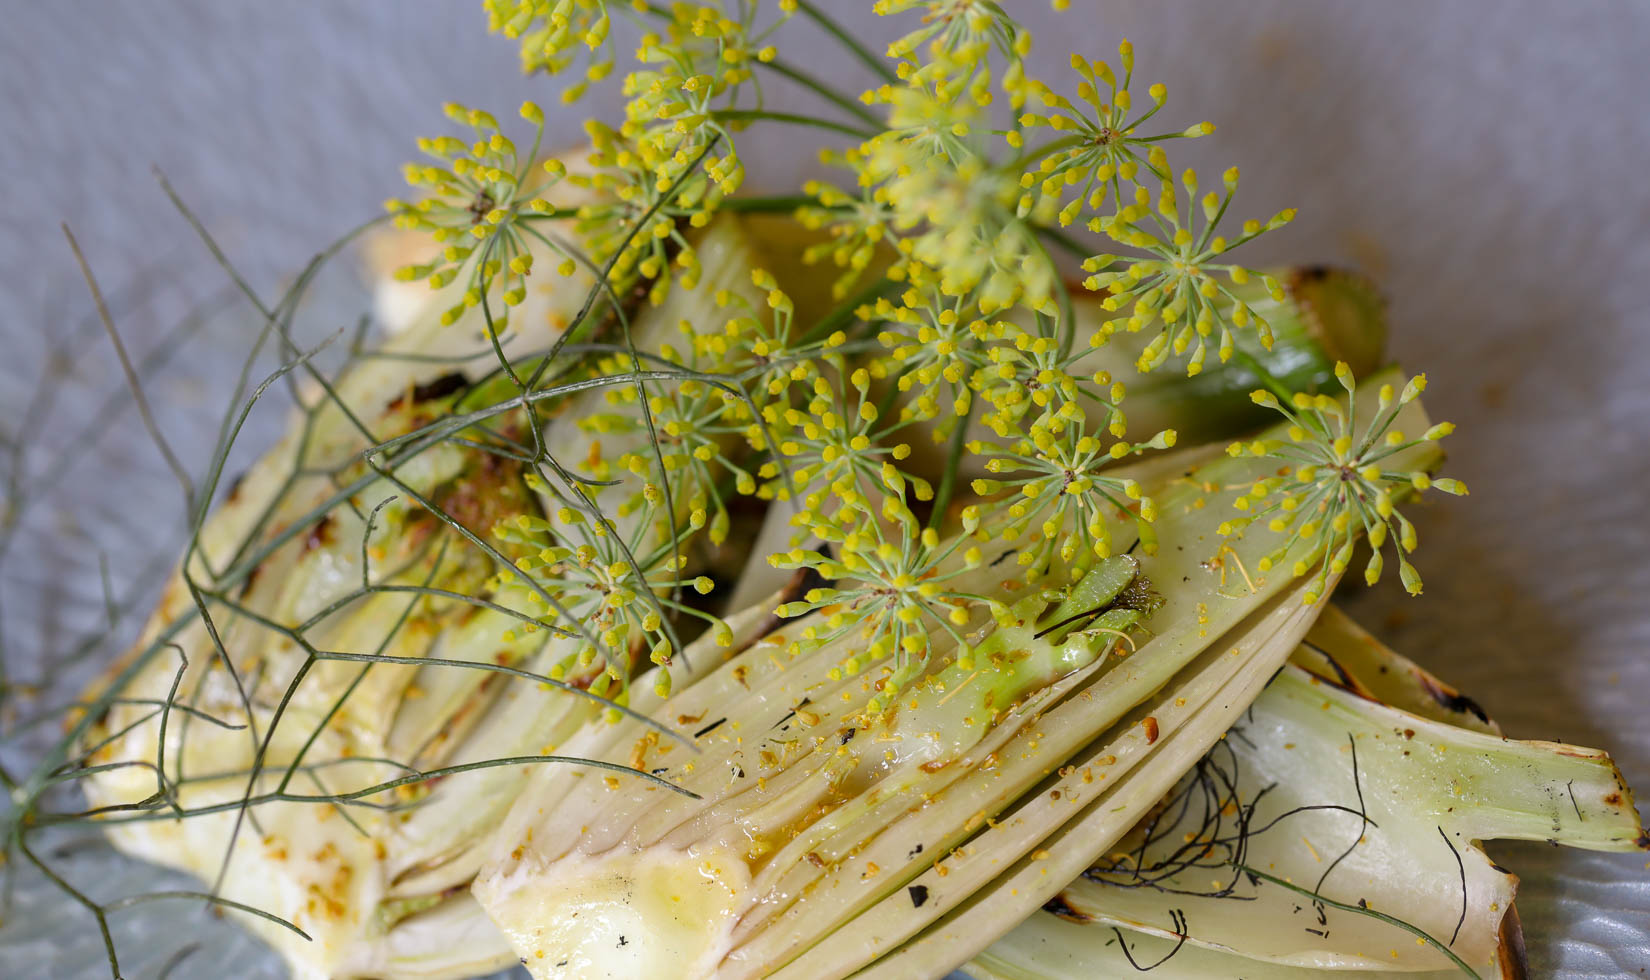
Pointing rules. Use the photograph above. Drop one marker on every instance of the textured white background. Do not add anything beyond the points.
(1485, 161)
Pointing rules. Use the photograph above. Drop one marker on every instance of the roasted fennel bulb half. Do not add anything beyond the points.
(437, 583)
(352, 695)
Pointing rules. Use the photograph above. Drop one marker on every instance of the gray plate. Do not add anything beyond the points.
(1483, 160)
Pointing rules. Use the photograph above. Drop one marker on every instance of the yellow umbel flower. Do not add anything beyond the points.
(936, 346)
(643, 199)
(1333, 485)
(959, 38)
(622, 594)
(686, 78)
(476, 204)
(1175, 286)
(890, 588)
(833, 444)
(552, 34)
(1102, 147)
(858, 225)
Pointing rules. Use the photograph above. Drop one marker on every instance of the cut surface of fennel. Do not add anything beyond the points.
(1277, 795)
(831, 837)
(413, 947)
(652, 913)
(534, 905)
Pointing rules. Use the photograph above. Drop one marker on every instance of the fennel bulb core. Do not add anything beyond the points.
(624, 914)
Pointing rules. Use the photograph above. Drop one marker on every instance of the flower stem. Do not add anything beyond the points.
(858, 50)
(1031, 156)
(823, 90)
(769, 204)
(846, 311)
(794, 119)
(554, 214)
(1362, 908)
(1266, 377)
(1064, 242)
(953, 462)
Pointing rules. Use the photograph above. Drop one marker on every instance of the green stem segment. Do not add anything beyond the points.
(790, 118)
(769, 204)
(953, 463)
(1065, 242)
(865, 55)
(1390, 920)
(824, 91)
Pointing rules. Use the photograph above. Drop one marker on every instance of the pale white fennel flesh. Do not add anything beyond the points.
(339, 874)
(1278, 796)
(448, 943)
(1046, 947)
(808, 832)
(404, 872)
